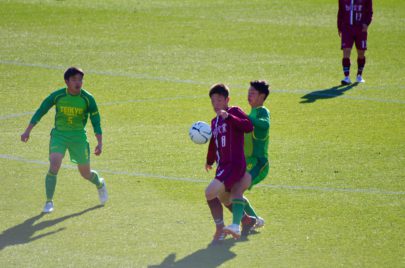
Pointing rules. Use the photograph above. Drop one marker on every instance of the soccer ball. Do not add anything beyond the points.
(200, 132)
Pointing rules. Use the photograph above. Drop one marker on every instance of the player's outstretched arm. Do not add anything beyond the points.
(240, 120)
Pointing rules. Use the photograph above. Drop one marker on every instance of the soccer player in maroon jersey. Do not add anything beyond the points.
(226, 149)
(353, 19)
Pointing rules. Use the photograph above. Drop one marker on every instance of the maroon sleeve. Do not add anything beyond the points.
(240, 120)
(368, 12)
(340, 16)
(211, 155)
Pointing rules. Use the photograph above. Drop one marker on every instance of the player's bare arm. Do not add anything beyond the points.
(26, 135)
(99, 148)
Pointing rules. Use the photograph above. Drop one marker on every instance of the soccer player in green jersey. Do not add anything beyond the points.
(256, 145)
(257, 142)
(74, 106)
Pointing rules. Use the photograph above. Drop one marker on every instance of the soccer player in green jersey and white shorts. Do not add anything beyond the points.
(256, 145)
(73, 106)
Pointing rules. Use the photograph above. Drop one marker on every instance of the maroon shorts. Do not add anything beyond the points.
(229, 174)
(355, 35)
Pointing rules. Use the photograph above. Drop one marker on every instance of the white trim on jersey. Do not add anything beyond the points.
(351, 12)
(216, 139)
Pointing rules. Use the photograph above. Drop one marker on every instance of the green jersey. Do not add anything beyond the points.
(72, 111)
(257, 141)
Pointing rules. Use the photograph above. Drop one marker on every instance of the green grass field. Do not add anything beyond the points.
(335, 195)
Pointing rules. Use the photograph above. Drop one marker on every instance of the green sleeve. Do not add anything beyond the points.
(262, 119)
(43, 109)
(95, 116)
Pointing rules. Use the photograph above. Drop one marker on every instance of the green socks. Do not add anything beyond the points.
(238, 206)
(50, 184)
(249, 209)
(95, 179)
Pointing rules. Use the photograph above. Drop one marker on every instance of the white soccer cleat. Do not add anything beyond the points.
(233, 230)
(102, 192)
(346, 81)
(48, 208)
(259, 223)
(360, 79)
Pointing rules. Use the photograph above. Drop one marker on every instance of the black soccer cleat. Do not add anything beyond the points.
(247, 224)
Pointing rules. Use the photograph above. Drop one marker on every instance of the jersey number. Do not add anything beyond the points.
(70, 120)
(223, 141)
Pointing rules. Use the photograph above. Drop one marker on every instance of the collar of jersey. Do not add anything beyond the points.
(67, 93)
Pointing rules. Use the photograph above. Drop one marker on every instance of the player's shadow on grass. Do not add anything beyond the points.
(212, 256)
(25, 232)
(328, 93)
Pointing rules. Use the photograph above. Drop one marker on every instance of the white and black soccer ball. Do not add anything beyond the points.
(200, 132)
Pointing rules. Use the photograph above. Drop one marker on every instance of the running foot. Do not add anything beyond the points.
(259, 223)
(247, 225)
(360, 79)
(102, 192)
(219, 236)
(48, 208)
(346, 81)
(233, 229)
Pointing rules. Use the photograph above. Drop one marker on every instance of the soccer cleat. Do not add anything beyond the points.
(247, 225)
(346, 81)
(259, 223)
(102, 192)
(360, 79)
(234, 230)
(219, 236)
(48, 208)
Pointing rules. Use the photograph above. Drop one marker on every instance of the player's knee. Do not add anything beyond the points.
(54, 167)
(224, 199)
(226, 202)
(237, 193)
(209, 194)
(246, 181)
(53, 170)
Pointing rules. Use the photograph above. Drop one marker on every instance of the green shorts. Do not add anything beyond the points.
(75, 142)
(258, 168)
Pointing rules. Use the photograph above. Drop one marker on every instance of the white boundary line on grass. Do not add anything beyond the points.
(152, 176)
(184, 81)
(110, 103)
(9, 116)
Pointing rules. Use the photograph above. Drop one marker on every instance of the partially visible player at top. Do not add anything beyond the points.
(226, 149)
(256, 152)
(73, 107)
(353, 19)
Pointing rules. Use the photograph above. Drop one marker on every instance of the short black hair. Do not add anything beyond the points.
(220, 89)
(72, 71)
(262, 86)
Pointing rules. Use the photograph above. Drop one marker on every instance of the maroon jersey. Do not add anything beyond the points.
(226, 144)
(354, 13)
